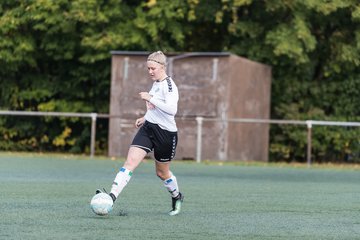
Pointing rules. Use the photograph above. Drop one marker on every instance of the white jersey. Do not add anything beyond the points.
(162, 107)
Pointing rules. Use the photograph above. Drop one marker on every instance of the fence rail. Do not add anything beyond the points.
(199, 120)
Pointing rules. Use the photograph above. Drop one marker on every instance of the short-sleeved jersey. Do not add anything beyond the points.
(162, 107)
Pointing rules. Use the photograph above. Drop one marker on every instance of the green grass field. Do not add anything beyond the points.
(47, 197)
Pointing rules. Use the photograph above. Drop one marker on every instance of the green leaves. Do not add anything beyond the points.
(291, 42)
(54, 56)
(326, 7)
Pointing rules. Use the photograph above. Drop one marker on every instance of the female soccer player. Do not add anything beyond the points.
(157, 132)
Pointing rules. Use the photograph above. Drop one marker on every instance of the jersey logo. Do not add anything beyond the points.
(169, 84)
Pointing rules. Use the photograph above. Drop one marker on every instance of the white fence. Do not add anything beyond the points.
(309, 124)
(94, 116)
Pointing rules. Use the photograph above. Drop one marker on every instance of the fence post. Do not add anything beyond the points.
(93, 134)
(308, 153)
(199, 121)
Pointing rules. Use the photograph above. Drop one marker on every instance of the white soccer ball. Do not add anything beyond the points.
(101, 204)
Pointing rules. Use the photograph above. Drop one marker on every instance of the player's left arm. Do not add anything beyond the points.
(170, 104)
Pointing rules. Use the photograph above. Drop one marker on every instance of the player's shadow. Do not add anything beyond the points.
(122, 213)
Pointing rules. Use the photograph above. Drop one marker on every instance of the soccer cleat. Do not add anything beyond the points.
(104, 191)
(98, 191)
(176, 205)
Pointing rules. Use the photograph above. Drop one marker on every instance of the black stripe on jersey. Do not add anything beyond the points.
(169, 84)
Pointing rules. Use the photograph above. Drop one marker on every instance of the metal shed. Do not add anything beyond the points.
(216, 85)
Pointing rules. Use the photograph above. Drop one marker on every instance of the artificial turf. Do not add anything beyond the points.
(47, 197)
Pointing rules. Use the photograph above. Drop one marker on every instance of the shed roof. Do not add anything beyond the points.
(189, 54)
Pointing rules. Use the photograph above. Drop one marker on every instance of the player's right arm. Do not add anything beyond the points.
(139, 122)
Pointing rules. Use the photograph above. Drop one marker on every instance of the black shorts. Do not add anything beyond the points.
(151, 137)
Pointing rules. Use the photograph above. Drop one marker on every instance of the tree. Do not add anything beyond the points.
(54, 56)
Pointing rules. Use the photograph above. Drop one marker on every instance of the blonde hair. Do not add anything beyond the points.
(158, 57)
